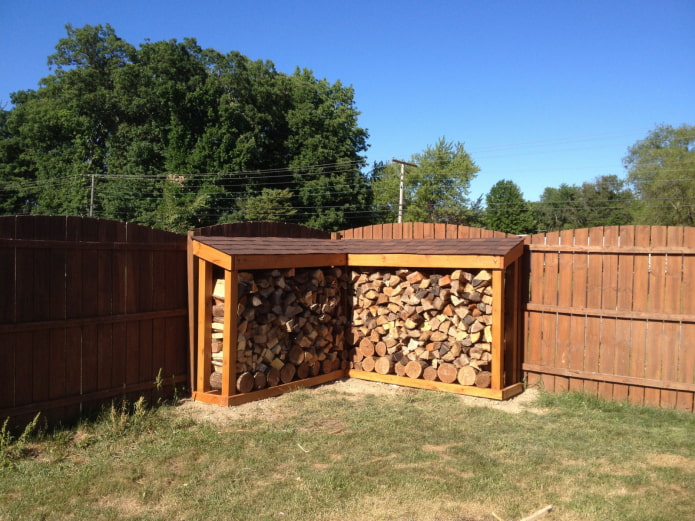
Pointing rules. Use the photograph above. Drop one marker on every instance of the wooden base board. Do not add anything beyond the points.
(215, 398)
(495, 394)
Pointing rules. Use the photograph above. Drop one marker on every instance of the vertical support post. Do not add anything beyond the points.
(516, 323)
(204, 325)
(497, 329)
(192, 272)
(229, 340)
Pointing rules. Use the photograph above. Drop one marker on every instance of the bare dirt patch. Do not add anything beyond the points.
(352, 389)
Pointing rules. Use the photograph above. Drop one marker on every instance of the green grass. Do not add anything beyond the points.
(324, 455)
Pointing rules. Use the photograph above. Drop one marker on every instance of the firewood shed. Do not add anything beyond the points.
(272, 314)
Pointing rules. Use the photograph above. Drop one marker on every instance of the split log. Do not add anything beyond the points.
(259, 380)
(303, 370)
(384, 364)
(430, 373)
(466, 375)
(245, 382)
(368, 363)
(415, 368)
(287, 373)
(399, 367)
(447, 373)
(216, 380)
(367, 347)
(273, 377)
(483, 379)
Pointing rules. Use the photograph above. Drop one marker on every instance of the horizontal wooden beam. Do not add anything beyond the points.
(269, 262)
(209, 254)
(605, 250)
(610, 313)
(406, 260)
(93, 245)
(609, 378)
(495, 394)
(89, 321)
(215, 398)
(77, 399)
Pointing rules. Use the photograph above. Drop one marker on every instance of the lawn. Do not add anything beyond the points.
(359, 451)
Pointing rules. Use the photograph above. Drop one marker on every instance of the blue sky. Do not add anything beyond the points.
(541, 93)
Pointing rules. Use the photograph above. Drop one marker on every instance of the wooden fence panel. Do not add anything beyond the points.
(631, 333)
(77, 295)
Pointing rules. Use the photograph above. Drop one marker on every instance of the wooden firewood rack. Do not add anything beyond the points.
(500, 256)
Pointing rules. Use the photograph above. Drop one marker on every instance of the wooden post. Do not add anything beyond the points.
(192, 311)
(229, 341)
(204, 325)
(497, 329)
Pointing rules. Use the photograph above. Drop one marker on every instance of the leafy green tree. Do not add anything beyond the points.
(233, 133)
(436, 191)
(661, 169)
(271, 205)
(607, 201)
(507, 210)
(558, 208)
(325, 143)
(604, 202)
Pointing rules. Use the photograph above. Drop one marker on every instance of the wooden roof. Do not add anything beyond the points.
(275, 252)
(286, 246)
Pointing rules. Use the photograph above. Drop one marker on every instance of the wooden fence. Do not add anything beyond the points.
(611, 312)
(89, 310)
(92, 309)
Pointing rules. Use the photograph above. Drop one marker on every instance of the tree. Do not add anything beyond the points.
(604, 202)
(436, 191)
(558, 208)
(272, 205)
(176, 136)
(661, 169)
(507, 210)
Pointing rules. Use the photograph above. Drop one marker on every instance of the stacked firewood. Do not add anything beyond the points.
(436, 326)
(291, 325)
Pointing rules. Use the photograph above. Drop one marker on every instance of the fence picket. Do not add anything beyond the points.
(577, 341)
(671, 304)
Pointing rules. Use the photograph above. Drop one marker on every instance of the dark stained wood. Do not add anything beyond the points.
(288, 246)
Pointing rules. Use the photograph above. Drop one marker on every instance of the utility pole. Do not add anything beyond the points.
(91, 197)
(401, 187)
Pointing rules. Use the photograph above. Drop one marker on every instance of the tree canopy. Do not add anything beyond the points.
(436, 191)
(606, 201)
(507, 210)
(661, 170)
(176, 136)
